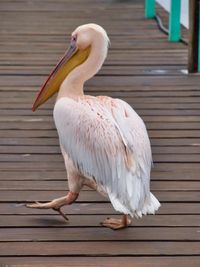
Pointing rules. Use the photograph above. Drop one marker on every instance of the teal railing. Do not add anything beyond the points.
(174, 31)
(174, 17)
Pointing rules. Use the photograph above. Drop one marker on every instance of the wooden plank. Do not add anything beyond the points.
(141, 112)
(14, 141)
(15, 208)
(96, 248)
(54, 220)
(42, 175)
(140, 105)
(33, 175)
(117, 90)
(31, 149)
(53, 149)
(112, 60)
(107, 69)
(60, 184)
(103, 234)
(53, 133)
(104, 261)
(158, 158)
(91, 196)
(17, 141)
(175, 97)
(127, 92)
(106, 82)
(59, 166)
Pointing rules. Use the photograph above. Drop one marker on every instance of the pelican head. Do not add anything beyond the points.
(83, 59)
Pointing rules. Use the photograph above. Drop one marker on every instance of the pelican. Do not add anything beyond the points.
(104, 142)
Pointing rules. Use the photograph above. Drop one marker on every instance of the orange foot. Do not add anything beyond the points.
(56, 204)
(116, 224)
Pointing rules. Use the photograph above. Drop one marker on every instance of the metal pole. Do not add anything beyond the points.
(174, 21)
(198, 69)
(194, 31)
(149, 9)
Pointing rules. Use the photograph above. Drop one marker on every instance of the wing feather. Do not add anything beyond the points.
(107, 140)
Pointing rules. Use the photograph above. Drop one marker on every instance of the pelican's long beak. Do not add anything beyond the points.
(72, 58)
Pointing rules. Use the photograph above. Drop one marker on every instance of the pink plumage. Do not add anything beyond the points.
(104, 142)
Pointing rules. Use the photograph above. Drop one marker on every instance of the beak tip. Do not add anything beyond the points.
(34, 108)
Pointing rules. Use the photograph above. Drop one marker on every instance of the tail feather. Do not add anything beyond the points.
(150, 206)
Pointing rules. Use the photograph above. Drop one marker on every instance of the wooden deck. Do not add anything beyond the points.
(143, 69)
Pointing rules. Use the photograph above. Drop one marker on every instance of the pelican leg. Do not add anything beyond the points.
(56, 204)
(116, 224)
(90, 183)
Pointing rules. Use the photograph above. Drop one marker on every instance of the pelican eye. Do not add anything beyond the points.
(74, 38)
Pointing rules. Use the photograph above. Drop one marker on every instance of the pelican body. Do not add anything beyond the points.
(104, 142)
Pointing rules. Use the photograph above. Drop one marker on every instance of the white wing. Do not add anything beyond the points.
(108, 141)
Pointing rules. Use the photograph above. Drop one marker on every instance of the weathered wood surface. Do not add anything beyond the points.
(143, 69)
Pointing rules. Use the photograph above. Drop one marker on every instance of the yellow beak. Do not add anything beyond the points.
(68, 62)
